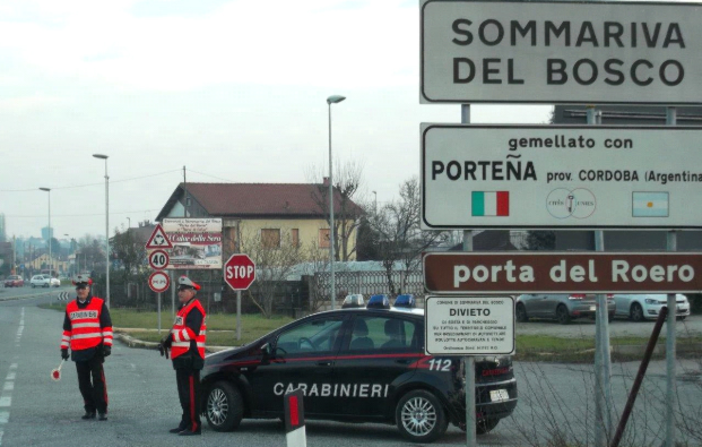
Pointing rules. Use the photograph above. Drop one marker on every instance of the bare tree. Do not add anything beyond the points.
(274, 262)
(128, 250)
(401, 238)
(348, 179)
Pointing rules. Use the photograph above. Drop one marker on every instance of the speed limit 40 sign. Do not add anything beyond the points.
(158, 259)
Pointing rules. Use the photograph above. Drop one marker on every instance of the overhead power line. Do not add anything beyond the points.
(94, 184)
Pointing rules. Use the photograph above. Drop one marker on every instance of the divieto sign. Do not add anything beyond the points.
(561, 52)
(536, 176)
(534, 272)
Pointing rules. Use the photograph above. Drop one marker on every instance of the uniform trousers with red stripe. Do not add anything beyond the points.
(189, 393)
(91, 381)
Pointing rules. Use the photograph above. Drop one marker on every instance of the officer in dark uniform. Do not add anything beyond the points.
(87, 329)
(187, 344)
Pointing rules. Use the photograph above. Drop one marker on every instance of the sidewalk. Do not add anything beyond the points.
(119, 334)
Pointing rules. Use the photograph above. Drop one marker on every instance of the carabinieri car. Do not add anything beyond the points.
(355, 365)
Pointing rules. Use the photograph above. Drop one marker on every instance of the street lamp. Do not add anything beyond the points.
(107, 229)
(334, 99)
(129, 224)
(375, 202)
(51, 260)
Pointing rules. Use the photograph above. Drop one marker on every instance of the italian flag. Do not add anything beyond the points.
(490, 203)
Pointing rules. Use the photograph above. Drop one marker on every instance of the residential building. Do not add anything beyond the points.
(273, 213)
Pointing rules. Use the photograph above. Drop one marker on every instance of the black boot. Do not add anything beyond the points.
(88, 415)
(177, 430)
(189, 432)
(103, 417)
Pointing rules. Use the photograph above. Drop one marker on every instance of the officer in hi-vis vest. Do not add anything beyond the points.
(87, 329)
(187, 344)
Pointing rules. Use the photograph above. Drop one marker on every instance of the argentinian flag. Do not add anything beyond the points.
(649, 204)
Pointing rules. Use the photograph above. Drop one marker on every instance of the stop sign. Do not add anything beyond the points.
(239, 272)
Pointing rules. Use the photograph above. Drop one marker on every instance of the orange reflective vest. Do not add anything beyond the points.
(85, 330)
(183, 335)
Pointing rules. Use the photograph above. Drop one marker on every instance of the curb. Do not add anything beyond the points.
(136, 343)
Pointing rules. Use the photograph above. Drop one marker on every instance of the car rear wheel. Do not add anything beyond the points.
(486, 426)
(521, 312)
(225, 407)
(562, 314)
(420, 417)
(636, 312)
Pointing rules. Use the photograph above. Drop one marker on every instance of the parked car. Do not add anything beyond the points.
(639, 307)
(44, 281)
(14, 281)
(405, 300)
(355, 365)
(563, 307)
(379, 301)
(353, 300)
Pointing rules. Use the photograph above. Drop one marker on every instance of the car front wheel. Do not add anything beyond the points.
(225, 407)
(636, 313)
(420, 417)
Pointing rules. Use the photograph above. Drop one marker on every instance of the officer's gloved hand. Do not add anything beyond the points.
(64, 354)
(167, 341)
(106, 351)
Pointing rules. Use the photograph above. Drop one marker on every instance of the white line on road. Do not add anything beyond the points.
(11, 376)
(9, 386)
(4, 417)
(5, 401)
(13, 366)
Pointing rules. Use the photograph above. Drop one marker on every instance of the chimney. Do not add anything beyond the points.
(325, 181)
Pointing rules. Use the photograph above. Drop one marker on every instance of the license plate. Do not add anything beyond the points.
(593, 308)
(499, 395)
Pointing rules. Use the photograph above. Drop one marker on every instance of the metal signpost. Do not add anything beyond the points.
(562, 272)
(578, 177)
(554, 177)
(469, 325)
(239, 274)
(560, 52)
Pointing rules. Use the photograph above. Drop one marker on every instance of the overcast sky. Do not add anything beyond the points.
(233, 90)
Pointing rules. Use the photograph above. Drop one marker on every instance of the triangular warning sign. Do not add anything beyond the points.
(159, 239)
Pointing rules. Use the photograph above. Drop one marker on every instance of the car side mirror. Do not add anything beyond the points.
(267, 350)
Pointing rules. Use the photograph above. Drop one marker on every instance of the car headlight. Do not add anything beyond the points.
(652, 301)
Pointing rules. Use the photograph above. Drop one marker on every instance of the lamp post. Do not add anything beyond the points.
(107, 229)
(51, 260)
(334, 99)
(129, 223)
(375, 202)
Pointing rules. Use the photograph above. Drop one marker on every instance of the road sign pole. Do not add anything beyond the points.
(469, 361)
(238, 292)
(159, 314)
(603, 399)
(671, 392)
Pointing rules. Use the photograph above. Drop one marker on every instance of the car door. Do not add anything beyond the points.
(379, 353)
(303, 356)
(534, 304)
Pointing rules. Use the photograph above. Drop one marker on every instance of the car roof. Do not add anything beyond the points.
(417, 312)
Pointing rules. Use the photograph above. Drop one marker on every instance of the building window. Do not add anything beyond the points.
(295, 233)
(270, 237)
(324, 238)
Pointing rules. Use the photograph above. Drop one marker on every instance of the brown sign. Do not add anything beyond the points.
(529, 272)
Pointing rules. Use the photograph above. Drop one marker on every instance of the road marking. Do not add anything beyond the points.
(11, 376)
(4, 417)
(5, 401)
(9, 386)
(13, 366)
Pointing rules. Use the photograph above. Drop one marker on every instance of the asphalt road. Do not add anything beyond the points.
(36, 411)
